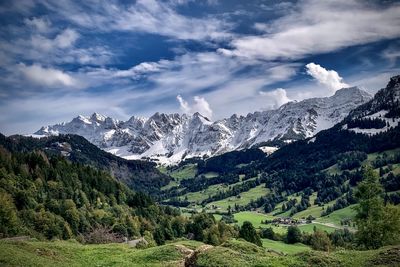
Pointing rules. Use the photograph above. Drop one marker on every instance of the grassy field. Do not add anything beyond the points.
(283, 247)
(211, 174)
(197, 197)
(313, 210)
(309, 228)
(237, 253)
(185, 172)
(256, 218)
(170, 185)
(230, 254)
(278, 207)
(64, 253)
(244, 199)
(253, 217)
(334, 169)
(338, 215)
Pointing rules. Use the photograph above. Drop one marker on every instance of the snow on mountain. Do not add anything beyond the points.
(169, 138)
(384, 107)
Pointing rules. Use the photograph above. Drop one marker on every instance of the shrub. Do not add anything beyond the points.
(321, 241)
(102, 235)
(293, 235)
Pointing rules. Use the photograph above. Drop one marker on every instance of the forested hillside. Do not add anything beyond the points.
(48, 196)
(53, 198)
(138, 175)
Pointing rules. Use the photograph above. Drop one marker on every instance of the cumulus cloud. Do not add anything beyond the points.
(199, 104)
(329, 78)
(278, 97)
(46, 76)
(184, 105)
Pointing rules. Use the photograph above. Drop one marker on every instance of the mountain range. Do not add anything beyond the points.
(170, 138)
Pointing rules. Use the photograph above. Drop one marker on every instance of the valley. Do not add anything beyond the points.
(256, 216)
(208, 133)
(247, 207)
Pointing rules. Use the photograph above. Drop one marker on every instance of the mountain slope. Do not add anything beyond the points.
(302, 165)
(139, 175)
(296, 166)
(47, 196)
(170, 138)
(379, 114)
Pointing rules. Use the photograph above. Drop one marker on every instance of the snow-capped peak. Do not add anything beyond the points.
(198, 118)
(169, 138)
(97, 117)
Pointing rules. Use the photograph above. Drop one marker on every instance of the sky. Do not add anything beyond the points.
(59, 59)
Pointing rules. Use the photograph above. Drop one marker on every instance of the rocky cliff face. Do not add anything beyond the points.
(169, 138)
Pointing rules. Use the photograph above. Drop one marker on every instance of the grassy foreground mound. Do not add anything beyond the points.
(231, 253)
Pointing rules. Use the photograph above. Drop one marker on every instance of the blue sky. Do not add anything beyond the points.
(59, 59)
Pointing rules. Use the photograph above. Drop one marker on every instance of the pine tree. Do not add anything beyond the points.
(377, 225)
(8, 215)
(248, 233)
(159, 236)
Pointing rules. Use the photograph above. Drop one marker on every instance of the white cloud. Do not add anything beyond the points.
(66, 38)
(185, 2)
(329, 78)
(150, 16)
(142, 69)
(46, 76)
(63, 40)
(184, 105)
(319, 27)
(52, 48)
(39, 24)
(278, 97)
(199, 104)
(372, 82)
(156, 17)
(232, 82)
(29, 114)
(392, 54)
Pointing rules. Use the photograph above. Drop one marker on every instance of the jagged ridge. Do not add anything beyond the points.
(169, 138)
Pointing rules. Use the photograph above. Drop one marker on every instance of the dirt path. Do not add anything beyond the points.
(191, 255)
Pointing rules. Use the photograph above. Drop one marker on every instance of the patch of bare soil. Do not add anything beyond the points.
(190, 261)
